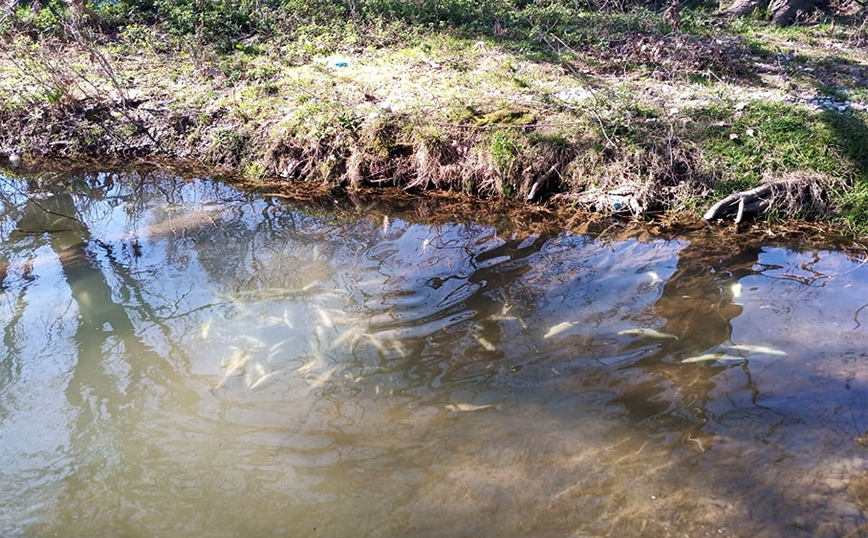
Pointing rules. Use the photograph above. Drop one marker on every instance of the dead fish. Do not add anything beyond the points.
(376, 341)
(712, 357)
(321, 379)
(308, 366)
(206, 329)
(399, 348)
(258, 368)
(485, 343)
(465, 407)
(758, 349)
(310, 286)
(505, 315)
(321, 333)
(264, 381)
(559, 328)
(234, 367)
(278, 348)
(650, 333)
(225, 379)
(237, 361)
(352, 334)
(286, 319)
(324, 316)
(254, 372)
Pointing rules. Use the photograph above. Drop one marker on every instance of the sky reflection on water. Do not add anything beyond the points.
(183, 359)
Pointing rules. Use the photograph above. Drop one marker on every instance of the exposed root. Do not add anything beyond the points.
(791, 195)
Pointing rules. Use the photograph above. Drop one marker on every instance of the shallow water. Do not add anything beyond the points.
(181, 359)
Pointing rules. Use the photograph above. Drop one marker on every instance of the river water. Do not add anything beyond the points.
(180, 359)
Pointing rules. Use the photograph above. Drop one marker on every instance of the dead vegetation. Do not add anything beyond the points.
(675, 55)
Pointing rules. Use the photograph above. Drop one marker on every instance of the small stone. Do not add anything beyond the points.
(842, 108)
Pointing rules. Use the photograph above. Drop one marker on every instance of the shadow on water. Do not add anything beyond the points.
(274, 372)
(100, 392)
(713, 387)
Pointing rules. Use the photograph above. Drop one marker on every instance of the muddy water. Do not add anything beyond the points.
(180, 359)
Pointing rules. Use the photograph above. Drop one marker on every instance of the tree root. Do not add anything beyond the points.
(793, 194)
(742, 204)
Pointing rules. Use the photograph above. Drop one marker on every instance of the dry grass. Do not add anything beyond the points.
(578, 121)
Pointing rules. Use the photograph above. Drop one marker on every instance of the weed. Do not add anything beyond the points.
(254, 170)
(504, 150)
(349, 121)
(227, 147)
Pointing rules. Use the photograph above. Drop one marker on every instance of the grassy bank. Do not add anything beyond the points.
(603, 106)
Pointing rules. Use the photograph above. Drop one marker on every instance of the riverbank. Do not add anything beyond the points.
(603, 111)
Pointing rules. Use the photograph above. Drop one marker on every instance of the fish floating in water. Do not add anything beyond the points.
(505, 315)
(708, 357)
(205, 330)
(234, 367)
(485, 343)
(722, 356)
(264, 381)
(650, 333)
(466, 407)
(758, 349)
(559, 328)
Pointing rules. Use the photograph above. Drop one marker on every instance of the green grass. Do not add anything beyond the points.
(771, 137)
(464, 91)
(788, 138)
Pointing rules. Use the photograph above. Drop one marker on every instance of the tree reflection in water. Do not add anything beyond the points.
(414, 372)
